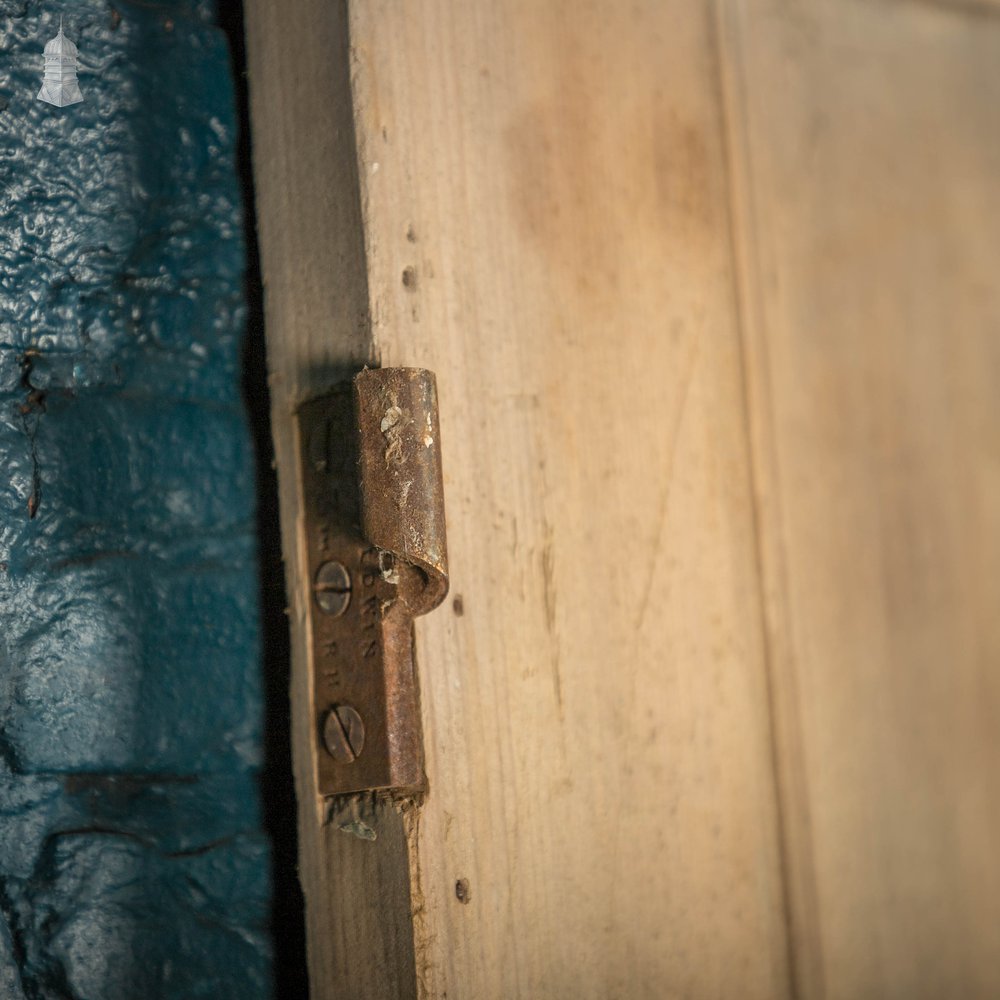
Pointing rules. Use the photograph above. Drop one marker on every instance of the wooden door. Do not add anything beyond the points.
(866, 166)
(712, 708)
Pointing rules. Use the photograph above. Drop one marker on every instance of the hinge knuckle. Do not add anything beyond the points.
(402, 494)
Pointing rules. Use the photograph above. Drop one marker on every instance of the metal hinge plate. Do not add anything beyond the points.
(375, 555)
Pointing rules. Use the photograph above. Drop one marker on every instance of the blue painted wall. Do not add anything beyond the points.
(132, 862)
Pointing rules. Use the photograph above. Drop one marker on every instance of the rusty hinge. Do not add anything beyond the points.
(375, 554)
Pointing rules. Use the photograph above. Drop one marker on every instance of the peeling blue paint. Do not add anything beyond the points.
(132, 861)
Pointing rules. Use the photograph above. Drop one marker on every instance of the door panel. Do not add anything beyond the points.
(547, 229)
(867, 141)
(709, 291)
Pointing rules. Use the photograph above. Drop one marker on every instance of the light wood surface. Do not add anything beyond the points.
(546, 227)
(867, 167)
(709, 288)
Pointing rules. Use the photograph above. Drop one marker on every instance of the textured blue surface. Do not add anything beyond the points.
(132, 863)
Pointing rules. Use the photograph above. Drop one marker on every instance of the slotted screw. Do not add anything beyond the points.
(332, 588)
(343, 734)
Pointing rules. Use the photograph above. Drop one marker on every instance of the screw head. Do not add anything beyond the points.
(332, 588)
(343, 734)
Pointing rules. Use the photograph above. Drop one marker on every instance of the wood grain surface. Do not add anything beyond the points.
(709, 289)
(867, 159)
(546, 226)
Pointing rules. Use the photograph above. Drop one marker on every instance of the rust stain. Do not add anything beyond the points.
(594, 189)
(682, 173)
